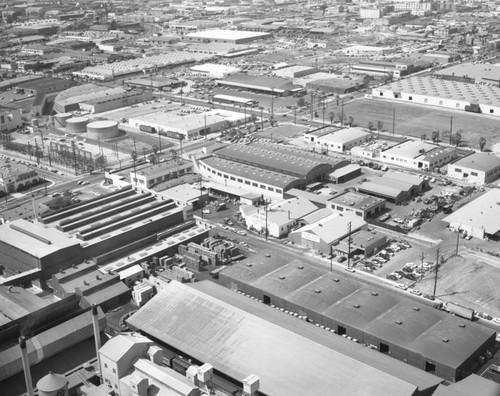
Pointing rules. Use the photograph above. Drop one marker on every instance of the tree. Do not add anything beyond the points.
(423, 136)
(331, 114)
(371, 127)
(156, 153)
(90, 168)
(350, 121)
(457, 138)
(482, 143)
(301, 102)
(100, 161)
(435, 136)
(380, 125)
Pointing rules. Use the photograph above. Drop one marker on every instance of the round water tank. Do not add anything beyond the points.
(52, 385)
(102, 129)
(77, 124)
(62, 118)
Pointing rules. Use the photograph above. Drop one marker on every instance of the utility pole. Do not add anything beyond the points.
(205, 119)
(342, 114)
(393, 120)
(451, 128)
(201, 198)
(458, 240)
(295, 114)
(436, 274)
(422, 266)
(312, 105)
(272, 102)
(73, 147)
(266, 204)
(349, 245)
(159, 140)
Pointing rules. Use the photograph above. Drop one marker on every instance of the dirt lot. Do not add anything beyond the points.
(413, 120)
(471, 283)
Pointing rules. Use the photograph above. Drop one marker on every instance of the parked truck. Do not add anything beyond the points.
(459, 310)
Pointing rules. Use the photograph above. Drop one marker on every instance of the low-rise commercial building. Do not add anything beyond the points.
(364, 206)
(478, 218)
(10, 119)
(278, 218)
(479, 168)
(342, 140)
(147, 176)
(362, 242)
(418, 154)
(17, 177)
(328, 231)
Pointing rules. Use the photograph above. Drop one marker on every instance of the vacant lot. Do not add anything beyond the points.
(414, 120)
(468, 282)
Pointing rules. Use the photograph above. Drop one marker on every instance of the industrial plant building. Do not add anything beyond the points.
(188, 126)
(240, 347)
(439, 92)
(388, 322)
(478, 168)
(265, 169)
(275, 86)
(115, 222)
(395, 187)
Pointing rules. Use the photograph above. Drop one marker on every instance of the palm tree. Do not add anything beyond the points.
(350, 121)
(482, 143)
(435, 136)
(331, 114)
(380, 125)
(457, 138)
(423, 137)
(370, 126)
(156, 152)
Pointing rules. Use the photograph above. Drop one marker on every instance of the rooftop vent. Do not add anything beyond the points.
(462, 325)
(374, 293)
(317, 291)
(300, 267)
(444, 339)
(282, 277)
(336, 279)
(416, 308)
(399, 322)
(356, 305)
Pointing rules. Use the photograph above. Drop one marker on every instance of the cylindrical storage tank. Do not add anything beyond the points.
(77, 124)
(34, 122)
(60, 119)
(102, 130)
(52, 385)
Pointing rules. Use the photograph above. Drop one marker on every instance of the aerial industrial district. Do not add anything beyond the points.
(250, 198)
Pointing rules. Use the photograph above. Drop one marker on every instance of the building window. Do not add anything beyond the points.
(232, 178)
(473, 173)
(381, 94)
(279, 191)
(106, 365)
(491, 111)
(255, 185)
(270, 189)
(247, 182)
(458, 170)
(426, 100)
(441, 102)
(240, 180)
(410, 98)
(114, 371)
(457, 105)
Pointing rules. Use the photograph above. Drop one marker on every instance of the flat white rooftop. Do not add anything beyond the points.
(218, 34)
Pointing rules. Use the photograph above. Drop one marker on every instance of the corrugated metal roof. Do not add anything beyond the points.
(239, 343)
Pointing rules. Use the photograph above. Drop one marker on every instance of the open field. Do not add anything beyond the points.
(415, 120)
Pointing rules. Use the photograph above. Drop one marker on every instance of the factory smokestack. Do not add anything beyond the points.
(97, 334)
(26, 366)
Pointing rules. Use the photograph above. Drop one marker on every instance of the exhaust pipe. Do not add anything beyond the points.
(97, 334)
(26, 366)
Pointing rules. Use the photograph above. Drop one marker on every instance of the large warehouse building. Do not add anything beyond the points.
(443, 93)
(226, 36)
(265, 169)
(290, 357)
(395, 325)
